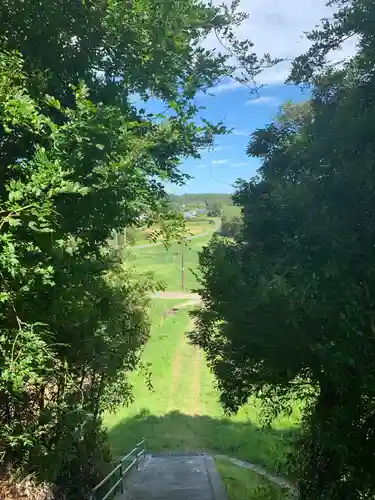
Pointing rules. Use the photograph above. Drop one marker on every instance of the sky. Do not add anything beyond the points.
(276, 27)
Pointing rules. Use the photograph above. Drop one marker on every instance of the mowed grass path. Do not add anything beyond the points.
(182, 412)
(165, 264)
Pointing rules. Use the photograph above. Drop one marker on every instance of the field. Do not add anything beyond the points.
(182, 412)
(143, 235)
(165, 265)
(231, 211)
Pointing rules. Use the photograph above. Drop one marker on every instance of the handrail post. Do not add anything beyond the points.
(122, 478)
(139, 450)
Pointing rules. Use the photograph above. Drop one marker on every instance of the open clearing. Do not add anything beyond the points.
(165, 265)
(182, 412)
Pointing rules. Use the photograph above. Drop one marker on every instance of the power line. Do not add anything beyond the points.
(218, 180)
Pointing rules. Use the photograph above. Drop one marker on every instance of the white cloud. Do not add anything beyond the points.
(266, 100)
(240, 164)
(227, 85)
(220, 162)
(277, 27)
(240, 132)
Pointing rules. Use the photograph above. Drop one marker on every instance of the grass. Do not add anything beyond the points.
(182, 412)
(165, 264)
(193, 228)
(231, 211)
(243, 484)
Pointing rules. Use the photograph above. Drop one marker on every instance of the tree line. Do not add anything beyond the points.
(289, 306)
(201, 199)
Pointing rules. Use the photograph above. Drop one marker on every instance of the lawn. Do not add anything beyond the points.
(182, 412)
(165, 265)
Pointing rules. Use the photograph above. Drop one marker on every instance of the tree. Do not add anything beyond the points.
(78, 160)
(214, 209)
(230, 227)
(289, 307)
(67, 340)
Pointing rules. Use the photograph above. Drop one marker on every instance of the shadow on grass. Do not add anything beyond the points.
(186, 433)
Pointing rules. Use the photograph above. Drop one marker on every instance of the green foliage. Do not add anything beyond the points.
(77, 161)
(230, 227)
(214, 209)
(55, 384)
(289, 308)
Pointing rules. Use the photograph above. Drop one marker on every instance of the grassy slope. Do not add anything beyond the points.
(193, 227)
(165, 265)
(200, 199)
(182, 412)
(243, 484)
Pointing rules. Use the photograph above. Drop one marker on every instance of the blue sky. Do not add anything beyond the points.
(276, 27)
(220, 167)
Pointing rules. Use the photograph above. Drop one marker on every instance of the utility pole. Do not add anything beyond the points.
(182, 268)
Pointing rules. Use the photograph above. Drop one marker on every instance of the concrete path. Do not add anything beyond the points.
(175, 476)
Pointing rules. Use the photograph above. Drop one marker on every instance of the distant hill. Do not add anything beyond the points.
(200, 199)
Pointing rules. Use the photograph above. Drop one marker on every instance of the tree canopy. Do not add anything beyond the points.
(230, 226)
(289, 306)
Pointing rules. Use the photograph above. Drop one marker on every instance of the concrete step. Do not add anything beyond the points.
(175, 476)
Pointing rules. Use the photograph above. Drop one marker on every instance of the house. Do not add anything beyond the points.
(190, 215)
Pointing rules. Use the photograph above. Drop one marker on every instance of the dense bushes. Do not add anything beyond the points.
(289, 307)
(71, 323)
(230, 227)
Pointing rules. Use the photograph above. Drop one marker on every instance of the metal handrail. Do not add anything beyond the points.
(137, 452)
